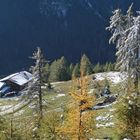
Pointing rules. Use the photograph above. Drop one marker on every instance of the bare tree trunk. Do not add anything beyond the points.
(136, 83)
(136, 86)
(40, 95)
(80, 123)
(11, 128)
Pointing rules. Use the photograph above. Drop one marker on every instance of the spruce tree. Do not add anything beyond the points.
(126, 35)
(34, 90)
(133, 42)
(58, 70)
(70, 70)
(108, 67)
(54, 75)
(76, 70)
(46, 72)
(37, 71)
(63, 67)
(98, 68)
(117, 28)
(86, 65)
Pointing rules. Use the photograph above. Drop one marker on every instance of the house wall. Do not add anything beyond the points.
(14, 87)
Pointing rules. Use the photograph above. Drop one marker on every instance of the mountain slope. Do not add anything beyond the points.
(57, 99)
(59, 27)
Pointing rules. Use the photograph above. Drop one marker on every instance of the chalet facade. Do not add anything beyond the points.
(15, 82)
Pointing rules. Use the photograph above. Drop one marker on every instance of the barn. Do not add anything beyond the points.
(14, 82)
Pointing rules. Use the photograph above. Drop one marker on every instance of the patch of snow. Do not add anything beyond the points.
(60, 95)
(34, 129)
(126, 139)
(5, 107)
(113, 109)
(10, 99)
(103, 118)
(99, 125)
(55, 83)
(99, 76)
(56, 110)
(53, 99)
(91, 91)
(43, 87)
(130, 102)
(110, 124)
(32, 106)
(19, 113)
(35, 96)
(115, 77)
(13, 108)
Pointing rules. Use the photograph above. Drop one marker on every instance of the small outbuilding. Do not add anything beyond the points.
(15, 82)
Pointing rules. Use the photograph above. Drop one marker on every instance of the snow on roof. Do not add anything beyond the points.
(1, 84)
(19, 78)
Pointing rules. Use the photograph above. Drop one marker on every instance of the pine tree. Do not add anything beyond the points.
(108, 67)
(117, 28)
(86, 65)
(37, 71)
(125, 30)
(128, 115)
(70, 70)
(34, 90)
(49, 125)
(46, 72)
(122, 28)
(127, 37)
(128, 50)
(63, 69)
(76, 71)
(133, 42)
(54, 75)
(58, 70)
(98, 68)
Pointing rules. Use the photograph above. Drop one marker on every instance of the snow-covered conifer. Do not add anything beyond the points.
(117, 28)
(37, 78)
(132, 43)
(127, 40)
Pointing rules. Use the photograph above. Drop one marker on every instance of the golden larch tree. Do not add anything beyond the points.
(79, 123)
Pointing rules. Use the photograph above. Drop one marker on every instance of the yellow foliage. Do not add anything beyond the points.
(77, 125)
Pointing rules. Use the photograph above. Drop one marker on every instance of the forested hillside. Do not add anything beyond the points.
(69, 28)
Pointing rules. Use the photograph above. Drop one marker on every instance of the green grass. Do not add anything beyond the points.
(8, 101)
(53, 102)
